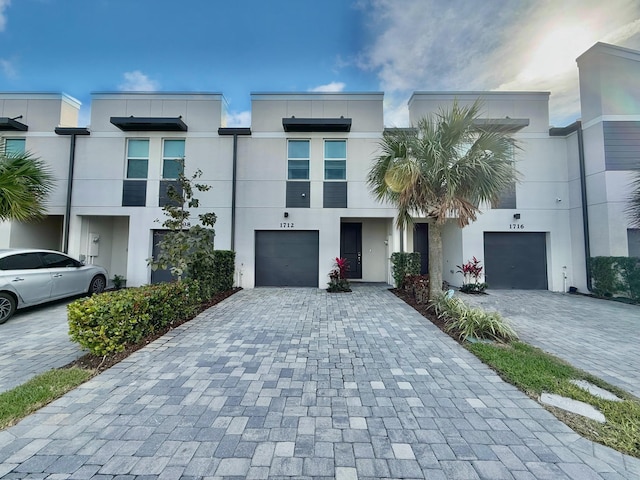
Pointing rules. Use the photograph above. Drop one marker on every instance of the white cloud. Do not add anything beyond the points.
(8, 68)
(4, 4)
(438, 45)
(329, 87)
(239, 119)
(137, 81)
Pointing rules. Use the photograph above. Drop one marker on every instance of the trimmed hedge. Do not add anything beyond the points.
(403, 264)
(106, 323)
(225, 261)
(616, 276)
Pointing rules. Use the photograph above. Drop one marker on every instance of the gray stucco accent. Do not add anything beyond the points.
(298, 194)
(621, 145)
(134, 193)
(164, 187)
(633, 239)
(507, 198)
(334, 195)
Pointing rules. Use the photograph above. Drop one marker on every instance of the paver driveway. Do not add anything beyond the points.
(601, 337)
(33, 341)
(275, 383)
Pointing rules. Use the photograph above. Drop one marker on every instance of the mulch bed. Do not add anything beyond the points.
(90, 361)
(424, 310)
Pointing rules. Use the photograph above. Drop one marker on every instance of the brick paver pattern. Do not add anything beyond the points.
(279, 383)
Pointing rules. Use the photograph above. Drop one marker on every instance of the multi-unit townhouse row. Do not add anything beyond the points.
(290, 191)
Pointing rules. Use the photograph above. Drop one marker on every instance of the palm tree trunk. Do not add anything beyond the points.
(435, 260)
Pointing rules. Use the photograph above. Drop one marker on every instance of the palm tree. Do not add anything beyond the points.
(25, 182)
(633, 207)
(443, 168)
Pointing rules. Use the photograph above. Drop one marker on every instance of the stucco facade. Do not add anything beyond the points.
(290, 191)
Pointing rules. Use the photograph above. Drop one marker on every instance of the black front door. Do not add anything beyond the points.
(351, 247)
(421, 245)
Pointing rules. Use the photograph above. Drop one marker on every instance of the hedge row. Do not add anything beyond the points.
(616, 276)
(106, 323)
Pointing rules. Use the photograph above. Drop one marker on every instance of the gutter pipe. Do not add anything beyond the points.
(73, 133)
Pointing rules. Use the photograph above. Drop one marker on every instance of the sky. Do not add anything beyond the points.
(235, 48)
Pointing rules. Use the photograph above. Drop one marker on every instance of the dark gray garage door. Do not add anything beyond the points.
(287, 259)
(515, 260)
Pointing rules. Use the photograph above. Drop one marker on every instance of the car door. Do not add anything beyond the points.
(25, 274)
(68, 278)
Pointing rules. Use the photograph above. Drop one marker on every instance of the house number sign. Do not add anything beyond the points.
(516, 226)
(286, 225)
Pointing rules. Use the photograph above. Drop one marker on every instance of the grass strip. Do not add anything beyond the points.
(25, 399)
(534, 371)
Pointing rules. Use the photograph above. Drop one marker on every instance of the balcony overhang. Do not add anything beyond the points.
(506, 125)
(316, 124)
(149, 124)
(72, 131)
(234, 131)
(9, 124)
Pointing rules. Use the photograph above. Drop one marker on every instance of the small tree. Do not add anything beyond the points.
(187, 250)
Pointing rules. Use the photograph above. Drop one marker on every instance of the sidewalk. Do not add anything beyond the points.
(275, 383)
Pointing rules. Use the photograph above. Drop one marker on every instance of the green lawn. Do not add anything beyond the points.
(19, 402)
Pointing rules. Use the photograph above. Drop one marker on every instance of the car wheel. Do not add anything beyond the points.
(97, 285)
(7, 306)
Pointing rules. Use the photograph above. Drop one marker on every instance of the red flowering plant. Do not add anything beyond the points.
(338, 281)
(472, 271)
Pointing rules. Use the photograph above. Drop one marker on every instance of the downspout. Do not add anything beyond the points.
(72, 132)
(585, 213)
(235, 132)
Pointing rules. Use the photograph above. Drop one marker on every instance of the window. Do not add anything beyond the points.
(335, 159)
(137, 158)
(14, 146)
(21, 261)
(56, 260)
(633, 239)
(298, 160)
(172, 159)
(507, 199)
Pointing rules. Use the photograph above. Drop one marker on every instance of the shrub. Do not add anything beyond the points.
(338, 281)
(403, 264)
(472, 270)
(466, 322)
(107, 323)
(417, 286)
(225, 264)
(616, 276)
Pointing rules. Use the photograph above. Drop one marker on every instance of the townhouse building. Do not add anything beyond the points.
(290, 191)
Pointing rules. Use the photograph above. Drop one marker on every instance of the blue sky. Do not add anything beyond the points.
(395, 46)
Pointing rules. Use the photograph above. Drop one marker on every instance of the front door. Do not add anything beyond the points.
(421, 245)
(351, 247)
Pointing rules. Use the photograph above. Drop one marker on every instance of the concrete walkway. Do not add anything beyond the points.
(279, 383)
(34, 341)
(598, 336)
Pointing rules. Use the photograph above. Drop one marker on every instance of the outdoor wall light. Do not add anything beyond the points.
(286, 214)
(516, 216)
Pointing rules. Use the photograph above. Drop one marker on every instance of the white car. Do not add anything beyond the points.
(29, 277)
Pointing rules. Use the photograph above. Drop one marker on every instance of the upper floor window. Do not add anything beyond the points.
(14, 146)
(172, 159)
(335, 159)
(298, 160)
(137, 158)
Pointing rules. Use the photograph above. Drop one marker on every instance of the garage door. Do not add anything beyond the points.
(515, 260)
(287, 259)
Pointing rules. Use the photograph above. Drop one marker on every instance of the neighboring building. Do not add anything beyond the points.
(290, 192)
